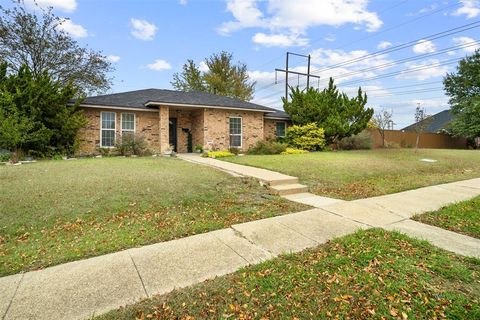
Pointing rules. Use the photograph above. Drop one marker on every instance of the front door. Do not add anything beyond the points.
(172, 133)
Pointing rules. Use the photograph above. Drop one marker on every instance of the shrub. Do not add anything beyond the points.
(234, 150)
(130, 144)
(308, 137)
(391, 145)
(267, 147)
(218, 154)
(199, 148)
(5, 156)
(363, 140)
(294, 151)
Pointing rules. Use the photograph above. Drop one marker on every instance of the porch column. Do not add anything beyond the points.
(163, 115)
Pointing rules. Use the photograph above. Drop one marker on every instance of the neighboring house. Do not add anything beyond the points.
(437, 123)
(166, 118)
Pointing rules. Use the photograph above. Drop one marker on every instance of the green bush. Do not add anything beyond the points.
(130, 144)
(5, 156)
(294, 151)
(234, 150)
(308, 137)
(360, 141)
(267, 147)
(198, 148)
(218, 154)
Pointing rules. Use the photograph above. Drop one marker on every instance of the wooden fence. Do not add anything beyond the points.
(407, 139)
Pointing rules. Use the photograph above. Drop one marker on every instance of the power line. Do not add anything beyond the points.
(435, 36)
(408, 59)
(396, 48)
(391, 74)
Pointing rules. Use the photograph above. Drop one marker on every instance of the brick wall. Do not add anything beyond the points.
(217, 130)
(270, 128)
(146, 124)
(209, 128)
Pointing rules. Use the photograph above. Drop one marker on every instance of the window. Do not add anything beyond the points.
(281, 128)
(128, 123)
(107, 138)
(236, 132)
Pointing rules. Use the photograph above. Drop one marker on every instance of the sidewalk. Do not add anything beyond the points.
(79, 289)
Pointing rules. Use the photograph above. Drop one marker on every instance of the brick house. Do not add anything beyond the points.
(167, 118)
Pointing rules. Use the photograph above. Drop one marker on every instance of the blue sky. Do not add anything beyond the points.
(149, 40)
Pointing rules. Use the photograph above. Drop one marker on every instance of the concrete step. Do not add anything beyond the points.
(278, 182)
(285, 189)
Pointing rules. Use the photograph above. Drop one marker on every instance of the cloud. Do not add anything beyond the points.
(470, 8)
(424, 46)
(279, 40)
(428, 69)
(159, 65)
(466, 41)
(143, 29)
(203, 67)
(330, 38)
(113, 58)
(322, 58)
(384, 45)
(183, 2)
(73, 29)
(63, 5)
(289, 18)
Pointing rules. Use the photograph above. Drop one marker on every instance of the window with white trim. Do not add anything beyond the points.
(236, 132)
(107, 129)
(281, 128)
(128, 123)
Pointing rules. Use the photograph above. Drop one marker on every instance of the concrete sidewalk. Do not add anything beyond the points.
(80, 289)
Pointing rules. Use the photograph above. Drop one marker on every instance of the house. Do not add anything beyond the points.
(437, 123)
(171, 118)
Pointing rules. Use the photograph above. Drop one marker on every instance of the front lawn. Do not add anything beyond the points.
(360, 174)
(369, 274)
(57, 211)
(463, 217)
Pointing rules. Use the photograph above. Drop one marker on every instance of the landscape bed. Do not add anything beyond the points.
(369, 274)
(353, 175)
(462, 217)
(53, 212)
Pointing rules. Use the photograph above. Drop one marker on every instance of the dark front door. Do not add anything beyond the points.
(172, 133)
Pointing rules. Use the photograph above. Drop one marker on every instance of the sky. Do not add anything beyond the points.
(149, 40)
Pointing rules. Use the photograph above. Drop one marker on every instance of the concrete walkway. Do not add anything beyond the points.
(80, 289)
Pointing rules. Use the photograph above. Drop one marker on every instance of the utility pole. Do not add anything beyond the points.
(287, 71)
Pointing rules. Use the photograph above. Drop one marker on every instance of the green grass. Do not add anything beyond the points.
(359, 174)
(369, 274)
(57, 211)
(463, 217)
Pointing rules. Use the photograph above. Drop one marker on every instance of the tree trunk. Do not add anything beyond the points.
(416, 143)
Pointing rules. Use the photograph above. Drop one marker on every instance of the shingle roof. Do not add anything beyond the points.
(278, 114)
(438, 122)
(138, 99)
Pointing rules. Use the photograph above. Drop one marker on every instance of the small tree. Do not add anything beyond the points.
(339, 115)
(34, 114)
(463, 88)
(422, 121)
(382, 120)
(223, 77)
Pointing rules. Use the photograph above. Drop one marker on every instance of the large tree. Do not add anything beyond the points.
(463, 88)
(36, 40)
(34, 116)
(332, 110)
(223, 77)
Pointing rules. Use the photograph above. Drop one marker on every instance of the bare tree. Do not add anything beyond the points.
(37, 41)
(422, 121)
(383, 121)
